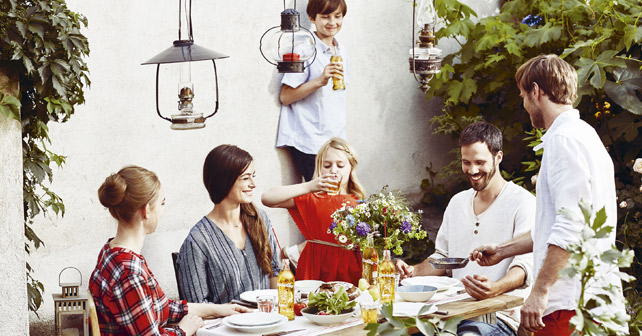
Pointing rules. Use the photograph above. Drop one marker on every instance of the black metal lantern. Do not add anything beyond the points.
(425, 59)
(288, 46)
(184, 52)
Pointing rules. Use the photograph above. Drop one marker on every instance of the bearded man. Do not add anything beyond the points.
(492, 209)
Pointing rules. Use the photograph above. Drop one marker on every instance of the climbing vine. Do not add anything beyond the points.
(42, 43)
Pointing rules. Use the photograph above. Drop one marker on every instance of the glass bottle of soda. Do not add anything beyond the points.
(387, 279)
(285, 283)
(369, 261)
(337, 82)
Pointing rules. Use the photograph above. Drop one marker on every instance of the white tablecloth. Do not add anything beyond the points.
(311, 329)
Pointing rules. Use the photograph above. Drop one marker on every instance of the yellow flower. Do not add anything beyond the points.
(607, 105)
(637, 166)
(598, 114)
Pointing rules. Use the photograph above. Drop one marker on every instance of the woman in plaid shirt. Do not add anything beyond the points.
(128, 299)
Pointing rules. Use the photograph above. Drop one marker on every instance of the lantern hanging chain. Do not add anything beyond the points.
(283, 4)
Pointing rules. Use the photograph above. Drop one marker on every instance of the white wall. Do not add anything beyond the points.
(388, 120)
(13, 294)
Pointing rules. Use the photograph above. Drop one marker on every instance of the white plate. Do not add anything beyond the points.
(441, 282)
(250, 296)
(307, 286)
(254, 319)
(410, 309)
(255, 329)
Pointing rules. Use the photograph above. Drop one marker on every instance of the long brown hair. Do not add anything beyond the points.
(223, 166)
(354, 187)
(127, 191)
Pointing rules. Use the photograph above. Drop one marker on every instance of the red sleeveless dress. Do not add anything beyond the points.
(312, 215)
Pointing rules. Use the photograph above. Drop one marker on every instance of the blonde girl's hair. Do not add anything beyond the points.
(128, 191)
(354, 187)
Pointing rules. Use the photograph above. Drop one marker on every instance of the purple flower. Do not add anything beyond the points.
(363, 229)
(532, 20)
(332, 226)
(406, 227)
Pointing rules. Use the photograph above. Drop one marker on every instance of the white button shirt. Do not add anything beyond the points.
(575, 165)
(308, 123)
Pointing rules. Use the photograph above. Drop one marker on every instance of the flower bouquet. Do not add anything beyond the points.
(386, 215)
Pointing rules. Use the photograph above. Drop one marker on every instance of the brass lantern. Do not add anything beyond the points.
(184, 52)
(288, 46)
(425, 58)
(70, 308)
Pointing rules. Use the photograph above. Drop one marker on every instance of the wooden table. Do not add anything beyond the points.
(467, 308)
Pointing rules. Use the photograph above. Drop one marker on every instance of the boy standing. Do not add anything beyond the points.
(312, 112)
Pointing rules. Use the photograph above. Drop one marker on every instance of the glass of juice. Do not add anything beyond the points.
(335, 181)
(369, 312)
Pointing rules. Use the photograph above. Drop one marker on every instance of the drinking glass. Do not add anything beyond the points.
(335, 180)
(266, 303)
(369, 312)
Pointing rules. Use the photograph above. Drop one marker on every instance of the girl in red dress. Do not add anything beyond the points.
(311, 205)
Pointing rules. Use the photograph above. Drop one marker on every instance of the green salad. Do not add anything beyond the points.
(333, 304)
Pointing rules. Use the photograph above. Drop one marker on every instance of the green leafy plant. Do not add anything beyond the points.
(585, 261)
(42, 43)
(394, 326)
(332, 304)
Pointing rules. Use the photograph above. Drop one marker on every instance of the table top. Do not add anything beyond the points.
(465, 308)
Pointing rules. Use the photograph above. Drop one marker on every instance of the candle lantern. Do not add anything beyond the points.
(184, 52)
(288, 46)
(70, 308)
(425, 58)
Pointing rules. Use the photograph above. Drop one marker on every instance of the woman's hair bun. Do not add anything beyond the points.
(113, 190)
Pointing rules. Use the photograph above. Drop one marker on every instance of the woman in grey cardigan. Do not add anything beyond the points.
(232, 249)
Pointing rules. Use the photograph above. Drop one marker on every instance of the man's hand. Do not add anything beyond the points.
(404, 269)
(480, 287)
(532, 310)
(486, 255)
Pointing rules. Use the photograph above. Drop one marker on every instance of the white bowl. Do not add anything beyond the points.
(441, 282)
(416, 293)
(307, 286)
(309, 313)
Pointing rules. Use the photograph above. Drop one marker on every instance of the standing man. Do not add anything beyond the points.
(493, 209)
(575, 166)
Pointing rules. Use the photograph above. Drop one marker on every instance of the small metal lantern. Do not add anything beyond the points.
(425, 59)
(184, 52)
(70, 308)
(288, 46)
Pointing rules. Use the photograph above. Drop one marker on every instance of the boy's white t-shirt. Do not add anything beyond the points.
(308, 123)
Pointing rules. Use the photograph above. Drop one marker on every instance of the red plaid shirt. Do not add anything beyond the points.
(128, 299)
